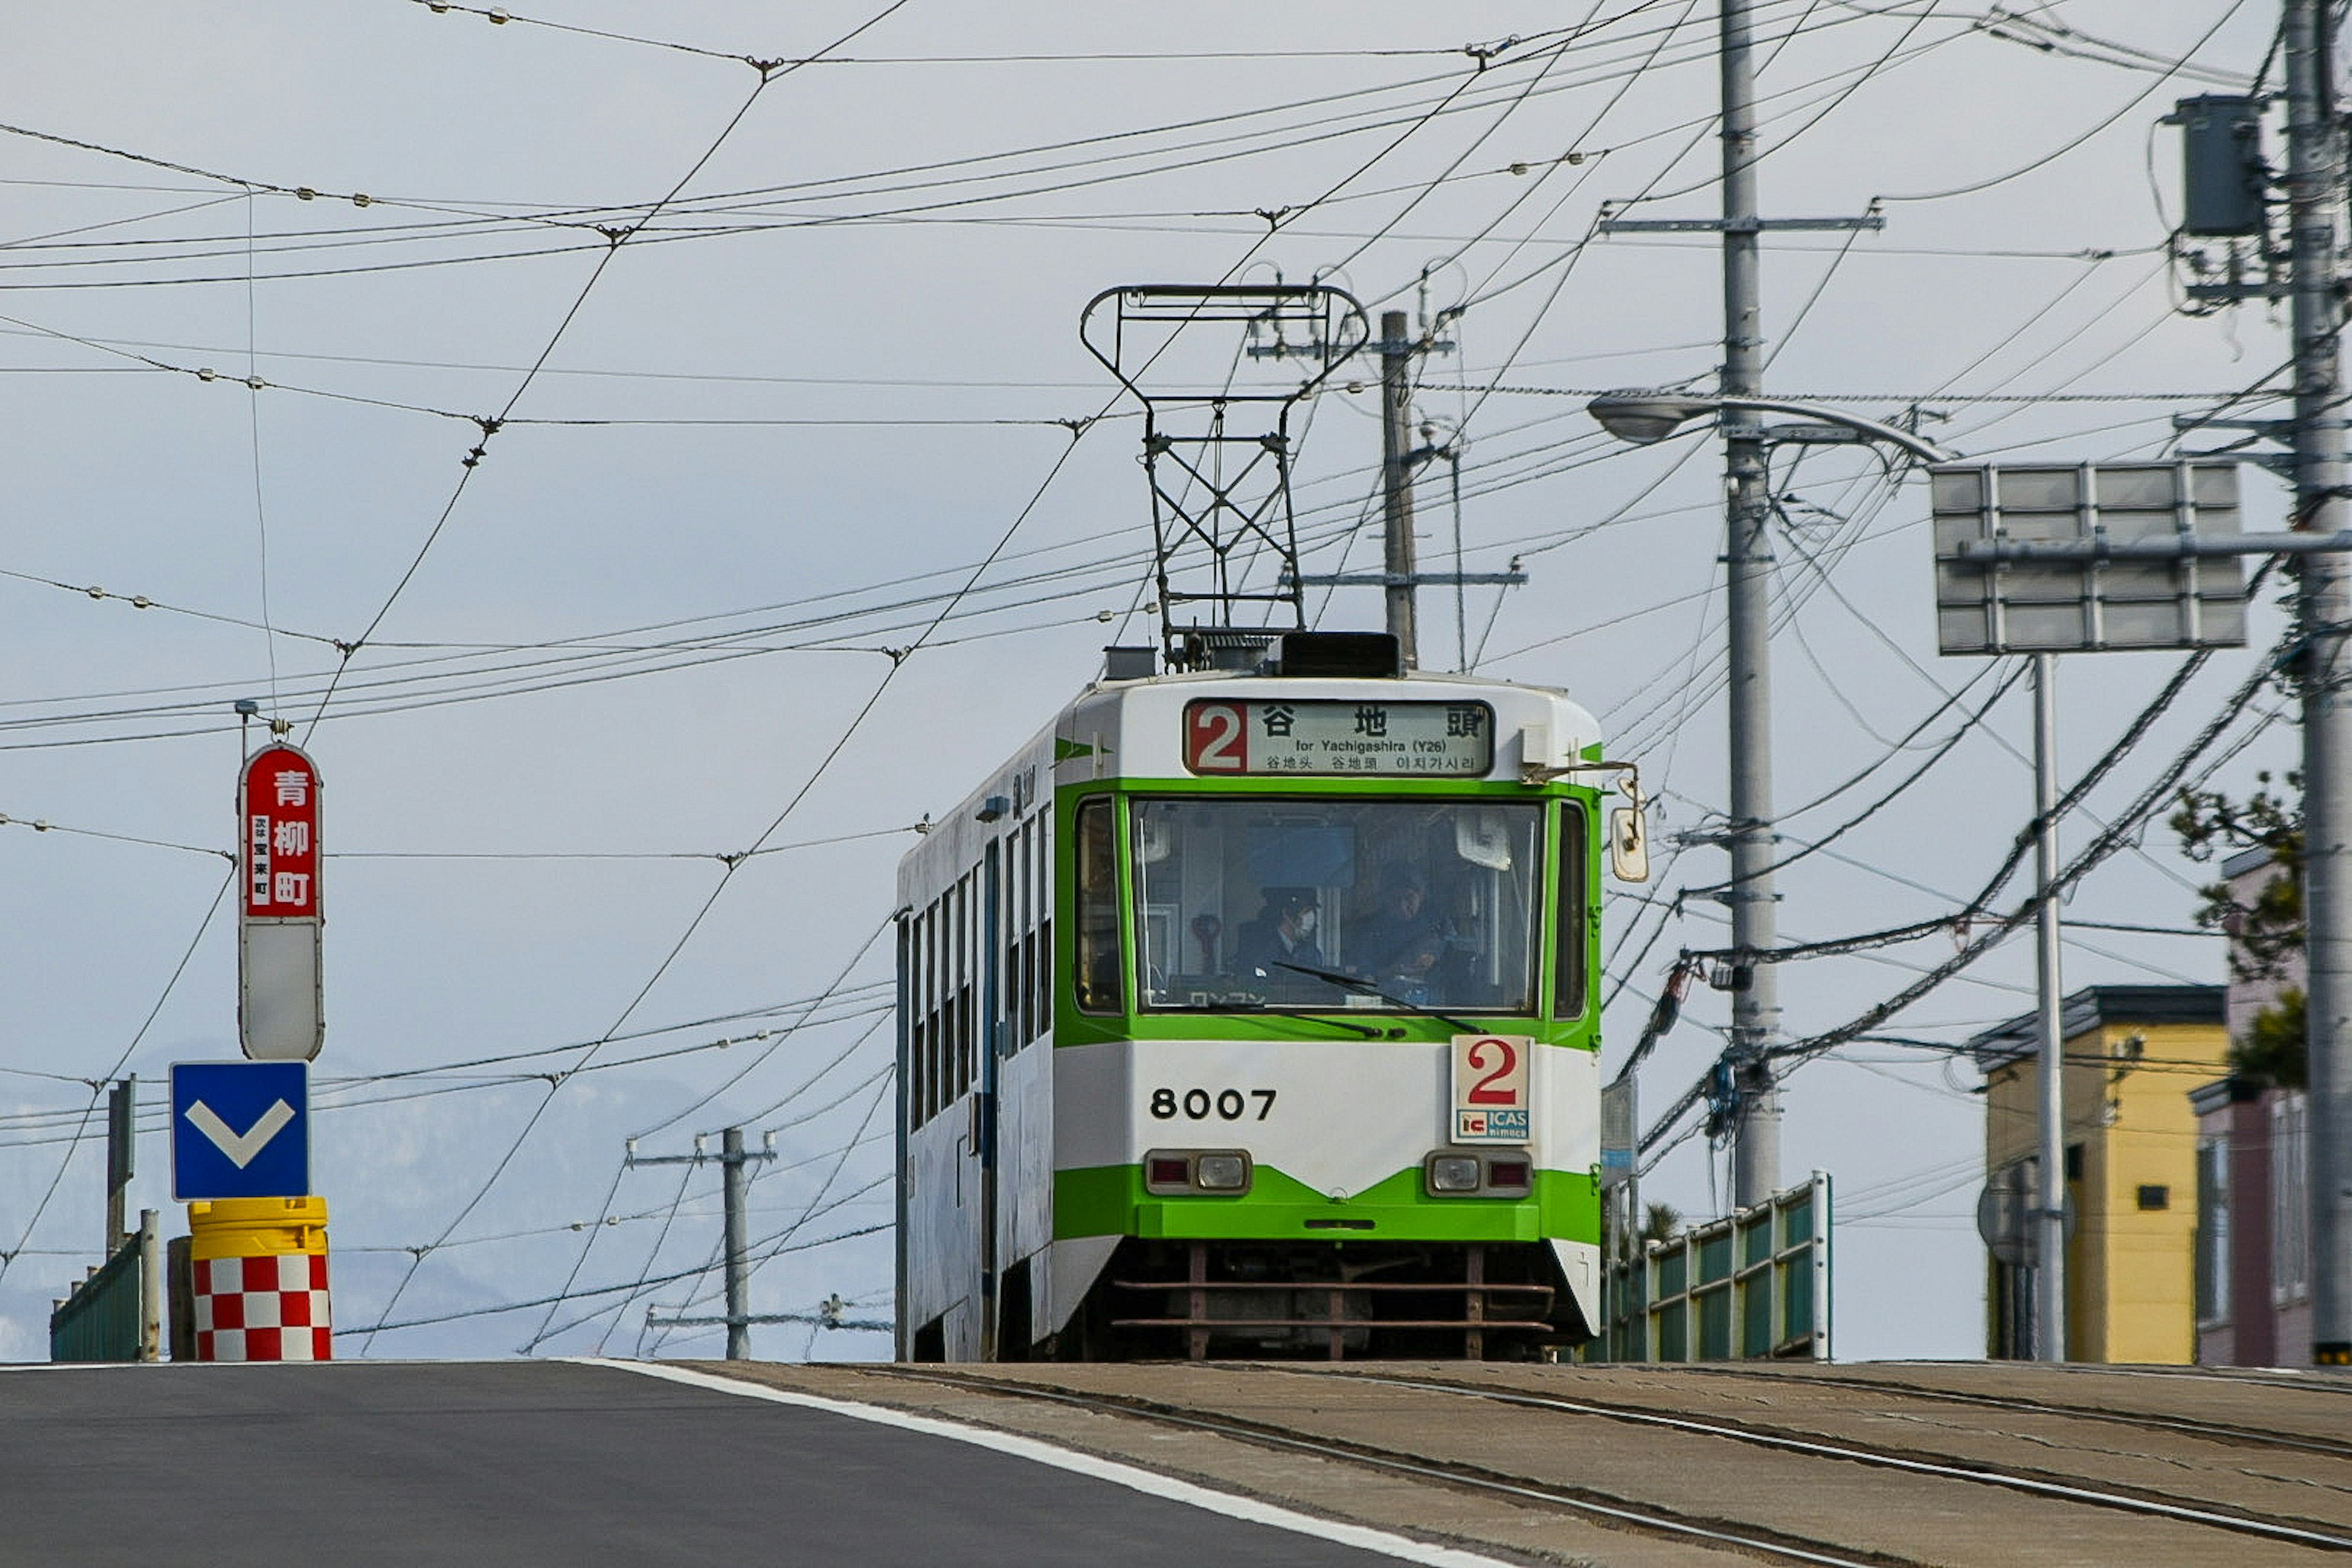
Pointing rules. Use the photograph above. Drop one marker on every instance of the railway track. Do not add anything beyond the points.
(2220, 1431)
(1618, 1513)
(1620, 1510)
(2309, 1533)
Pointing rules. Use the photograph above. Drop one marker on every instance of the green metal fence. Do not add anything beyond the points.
(112, 1315)
(1752, 1285)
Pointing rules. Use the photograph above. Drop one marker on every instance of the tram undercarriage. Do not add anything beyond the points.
(1163, 1299)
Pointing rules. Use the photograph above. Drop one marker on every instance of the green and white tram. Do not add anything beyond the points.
(1254, 1013)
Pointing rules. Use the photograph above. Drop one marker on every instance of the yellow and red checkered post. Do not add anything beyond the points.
(260, 1279)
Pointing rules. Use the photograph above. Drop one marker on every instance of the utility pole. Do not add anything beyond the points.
(1748, 567)
(1400, 460)
(2315, 179)
(733, 1157)
(738, 1244)
(1747, 610)
(1397, 457)
(121, 1147)
(2049, 1219)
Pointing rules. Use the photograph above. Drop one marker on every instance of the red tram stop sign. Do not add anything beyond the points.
(281, 1012)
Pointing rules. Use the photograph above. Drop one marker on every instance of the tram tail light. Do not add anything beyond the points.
(1446, 1174)
(1171, 1173)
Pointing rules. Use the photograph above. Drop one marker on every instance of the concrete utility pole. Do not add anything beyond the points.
(1644, 416)
(121, 1149)
(739, 1246)
(1748, 567)
(1397, 457)
(2315, 180)
(2049, 1219)
(1400, 459)
(733, 1157)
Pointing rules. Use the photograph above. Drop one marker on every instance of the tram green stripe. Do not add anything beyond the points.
(1109, 1200)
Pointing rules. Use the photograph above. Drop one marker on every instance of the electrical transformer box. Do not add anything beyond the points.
(2222, 173)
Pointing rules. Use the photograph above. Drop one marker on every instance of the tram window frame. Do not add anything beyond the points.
(943, 1031)
(1021, 980)
(933, 1047)
(1571, 913)
(960, 1064)
(1525, 814)
(911, 1002)
(926, 1012)
(1041, 969)
(1094, 879)
(1004, 1027)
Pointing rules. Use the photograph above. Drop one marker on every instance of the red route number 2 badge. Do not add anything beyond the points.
(280, 810)
(1490, 1089)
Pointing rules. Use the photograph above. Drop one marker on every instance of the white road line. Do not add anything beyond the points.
(1227, 1505)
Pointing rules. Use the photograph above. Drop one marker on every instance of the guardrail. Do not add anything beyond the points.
(115, 1314)
(1752, 1285)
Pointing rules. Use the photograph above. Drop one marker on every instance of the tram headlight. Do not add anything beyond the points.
(1453, 1173)
(1222, 1173)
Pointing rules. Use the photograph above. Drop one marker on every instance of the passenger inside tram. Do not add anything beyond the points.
(1404, 904)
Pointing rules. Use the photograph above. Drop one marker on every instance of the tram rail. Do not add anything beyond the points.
(2220, 1431)
(1621, 1511)
(1754, 1539)
(2304, 1532)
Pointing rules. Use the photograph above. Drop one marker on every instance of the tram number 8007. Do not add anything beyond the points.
(1201, 1104)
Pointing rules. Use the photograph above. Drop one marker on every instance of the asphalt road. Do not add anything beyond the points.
(535, 1463)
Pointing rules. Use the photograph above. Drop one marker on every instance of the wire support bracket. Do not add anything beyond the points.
(1872, 220)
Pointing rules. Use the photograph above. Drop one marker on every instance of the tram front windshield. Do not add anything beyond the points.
(1385, 905)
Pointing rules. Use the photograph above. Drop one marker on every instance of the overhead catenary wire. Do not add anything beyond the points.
(2151, 798)
(1535, 469)
(98, 1087)
(616, 240)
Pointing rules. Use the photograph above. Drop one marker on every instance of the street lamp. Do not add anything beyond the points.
(1643, 417)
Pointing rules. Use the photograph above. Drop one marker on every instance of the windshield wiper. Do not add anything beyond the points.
(1363, 987)
(1366, 1031)
(1258, 1009)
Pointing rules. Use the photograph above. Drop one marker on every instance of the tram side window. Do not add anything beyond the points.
(1097, 877)
(925, 1014)
(960, 1063)
(940, 1009)
(1020, 942)
(975, 948)
(1041, 969)
(1570, 947)
(944, 1035)
(1022, 915)
(911, 1016)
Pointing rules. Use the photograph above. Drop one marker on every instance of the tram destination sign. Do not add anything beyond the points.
(1440, 739)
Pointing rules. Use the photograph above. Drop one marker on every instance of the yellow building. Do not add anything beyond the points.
(2132, 1053)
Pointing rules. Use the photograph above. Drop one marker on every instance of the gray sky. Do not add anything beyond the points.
(774, 433)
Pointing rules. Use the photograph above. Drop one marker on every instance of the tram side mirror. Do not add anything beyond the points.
(1629, 843)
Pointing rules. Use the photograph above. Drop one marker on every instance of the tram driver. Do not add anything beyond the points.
(1281, 942)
